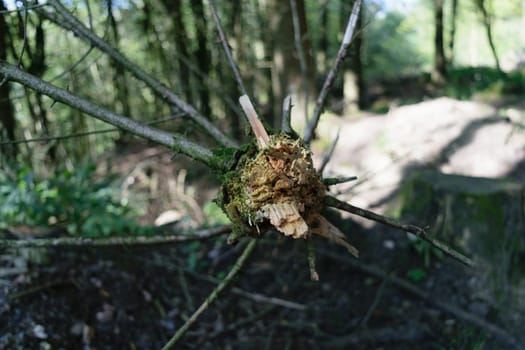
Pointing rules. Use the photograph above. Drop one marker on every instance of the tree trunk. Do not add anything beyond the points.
(287, 77)
(452, 35)
(7, 118)
(487, 22)
(354, 83)
(202, 56)
(439, 73)
(174, 9)
(121, 85)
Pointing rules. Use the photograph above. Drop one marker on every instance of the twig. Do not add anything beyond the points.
(184, 286)
(37, 289)
(70, 22)
(300, 52)
(178, 143)
(240, 323)
(257, 297)
(25, 8)
(418, 231)
(213, 295)
(329, 80)
(226, 47)
(464, 315)
(81, 134)
(330, 181)
(314, 276)
(372, 308)
(113, 241)
(286, 120)
(328, 155)
(257, 127)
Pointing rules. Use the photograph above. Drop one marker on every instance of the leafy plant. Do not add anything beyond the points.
(75, 200)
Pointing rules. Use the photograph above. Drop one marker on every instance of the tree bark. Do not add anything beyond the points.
(452, 34)
(174, 8)
(202, 56)
(439, 73)
(7, 118)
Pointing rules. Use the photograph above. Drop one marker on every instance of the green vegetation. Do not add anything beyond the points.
(73, 200)
(464, 83)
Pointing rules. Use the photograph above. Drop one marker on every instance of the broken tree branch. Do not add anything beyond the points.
(226, 47)
(418, 231)
(113, 241)
(330, 77)
(180, 143)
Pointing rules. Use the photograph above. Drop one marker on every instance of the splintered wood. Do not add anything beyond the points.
(286, 218)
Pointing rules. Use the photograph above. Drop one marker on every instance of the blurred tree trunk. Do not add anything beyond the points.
(323, 35)
(7, 118)
(37, 67)
(487, 22)
(452, 35)
(287, 77)
(354, 83)
(234, 26)
(203, 56)
(174, 10)
(440, 69)
(119, 79)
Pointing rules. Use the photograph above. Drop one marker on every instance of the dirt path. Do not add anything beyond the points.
(461, 137)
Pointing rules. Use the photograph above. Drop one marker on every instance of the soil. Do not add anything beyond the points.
(132, 297)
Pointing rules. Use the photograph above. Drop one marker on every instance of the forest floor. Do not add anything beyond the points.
(133, 297)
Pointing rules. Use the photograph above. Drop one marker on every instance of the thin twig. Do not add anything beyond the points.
(70, 22)
(179, 143)
(454, 310)
(418, 231)
(213, 295)
(314, 276)
(226, 48)
(286, 119)
(82, 134)
(113, 241)
(328, 155)
(330, 181)
(25, 8)
(300, 52)
(330, 78)
(372, 308)
(239, 323)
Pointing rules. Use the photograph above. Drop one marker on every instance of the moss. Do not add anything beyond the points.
(280, 173)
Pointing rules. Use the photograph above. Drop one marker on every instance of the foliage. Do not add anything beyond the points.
(75, 200)
(391, 48)
(463, 83)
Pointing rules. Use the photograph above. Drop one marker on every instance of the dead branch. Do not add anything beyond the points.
(330, 77)
(179, 143)
(213, 295)
(68, 21)
(454, 310)
(418, 231)
(114, 241)
(226, 47)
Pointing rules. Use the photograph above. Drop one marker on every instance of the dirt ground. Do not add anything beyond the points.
(136, 297)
